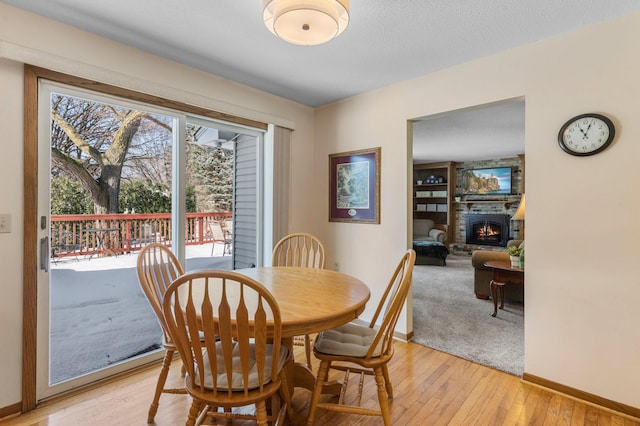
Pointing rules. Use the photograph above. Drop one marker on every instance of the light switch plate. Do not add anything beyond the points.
(5, 223)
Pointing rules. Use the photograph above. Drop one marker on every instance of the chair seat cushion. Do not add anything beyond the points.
(348, 340)
(236, 380)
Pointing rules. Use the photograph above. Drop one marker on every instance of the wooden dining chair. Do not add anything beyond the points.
(305, 250)
(365, 350)
(240, 361)
(157, 268)
(299, 249)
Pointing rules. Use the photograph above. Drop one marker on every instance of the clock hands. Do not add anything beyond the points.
(584, 132)
(587, 131)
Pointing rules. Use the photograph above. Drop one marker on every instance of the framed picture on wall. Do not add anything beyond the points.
(354, 186)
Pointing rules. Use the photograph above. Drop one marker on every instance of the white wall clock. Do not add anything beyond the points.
(586, 134)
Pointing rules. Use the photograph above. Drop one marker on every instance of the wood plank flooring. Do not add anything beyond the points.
(430, 388)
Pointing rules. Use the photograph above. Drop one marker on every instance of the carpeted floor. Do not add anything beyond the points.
(448, 317)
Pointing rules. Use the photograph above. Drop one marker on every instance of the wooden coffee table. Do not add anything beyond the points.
(503, 274)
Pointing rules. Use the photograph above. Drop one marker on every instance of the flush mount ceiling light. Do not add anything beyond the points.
(306, 22)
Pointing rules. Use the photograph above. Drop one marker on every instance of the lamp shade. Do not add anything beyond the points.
(306, 22)
(519, 215)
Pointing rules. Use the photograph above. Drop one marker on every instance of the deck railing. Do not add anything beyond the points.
(89, 235)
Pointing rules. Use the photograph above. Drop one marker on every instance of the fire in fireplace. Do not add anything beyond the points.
(487, 229)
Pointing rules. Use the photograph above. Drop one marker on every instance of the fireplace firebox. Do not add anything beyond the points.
(487, 229)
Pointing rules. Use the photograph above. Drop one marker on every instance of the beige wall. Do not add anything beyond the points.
(582, 325)
(26, 38)
(582, 284)
(11, 243)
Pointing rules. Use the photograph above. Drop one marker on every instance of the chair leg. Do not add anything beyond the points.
(307, 350)
(323, 372)
(382, 396)
(194, 411)
(162, 378)
(261, 413)
(387, 381)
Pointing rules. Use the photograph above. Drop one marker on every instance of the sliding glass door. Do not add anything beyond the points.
(116, 176)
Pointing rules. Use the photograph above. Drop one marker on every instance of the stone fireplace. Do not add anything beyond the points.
(487, 229)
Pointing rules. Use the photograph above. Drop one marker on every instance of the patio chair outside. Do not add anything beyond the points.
(64, 243)
(220, 236)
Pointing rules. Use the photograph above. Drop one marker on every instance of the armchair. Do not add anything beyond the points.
(424, 230)
(482, 275)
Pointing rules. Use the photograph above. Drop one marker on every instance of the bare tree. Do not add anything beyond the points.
(91, 142)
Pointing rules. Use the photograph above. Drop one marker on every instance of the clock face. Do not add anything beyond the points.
(586, 134)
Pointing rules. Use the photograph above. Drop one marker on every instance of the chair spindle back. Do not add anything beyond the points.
(157, 268)
(231, 311)
(299, 249)
(392, 301)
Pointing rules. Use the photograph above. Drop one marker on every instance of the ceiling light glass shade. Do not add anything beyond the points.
(306, 22)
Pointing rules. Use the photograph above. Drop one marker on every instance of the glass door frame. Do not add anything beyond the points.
(44, 389)
(31, 221)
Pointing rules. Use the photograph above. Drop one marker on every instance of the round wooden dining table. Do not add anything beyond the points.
(311, 300)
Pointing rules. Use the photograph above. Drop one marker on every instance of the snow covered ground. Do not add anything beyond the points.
(99, 314)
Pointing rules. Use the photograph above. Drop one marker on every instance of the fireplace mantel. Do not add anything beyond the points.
(506, 202)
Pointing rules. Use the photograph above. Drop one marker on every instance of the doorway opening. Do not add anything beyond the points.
(485, 136)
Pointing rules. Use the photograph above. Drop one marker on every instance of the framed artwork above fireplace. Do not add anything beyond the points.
(489, 181)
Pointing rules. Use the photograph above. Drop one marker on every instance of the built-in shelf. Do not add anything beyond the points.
(433, 200)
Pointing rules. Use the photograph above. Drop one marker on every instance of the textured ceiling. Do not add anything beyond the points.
(386, 41)
(482, 133)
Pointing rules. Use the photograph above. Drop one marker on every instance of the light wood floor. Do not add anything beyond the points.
(430, 388)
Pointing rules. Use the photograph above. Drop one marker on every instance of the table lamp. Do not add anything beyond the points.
(519, 215)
